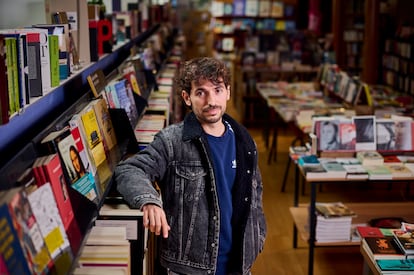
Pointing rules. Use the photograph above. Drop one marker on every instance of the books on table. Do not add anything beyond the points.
(383, 247)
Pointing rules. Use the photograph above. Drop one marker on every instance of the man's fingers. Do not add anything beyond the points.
(154, 219)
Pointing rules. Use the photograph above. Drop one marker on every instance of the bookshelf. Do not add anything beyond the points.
(348, 27)
(20, 137)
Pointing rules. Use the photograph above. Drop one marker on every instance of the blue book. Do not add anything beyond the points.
(308, 160)
(396, 265)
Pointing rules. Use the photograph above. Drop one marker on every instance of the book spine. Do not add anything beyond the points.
(44, 60)
(4, 93)
(33, 64)
(10, 62)
(54, 60)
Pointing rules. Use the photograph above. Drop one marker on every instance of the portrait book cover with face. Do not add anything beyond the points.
(366, 137)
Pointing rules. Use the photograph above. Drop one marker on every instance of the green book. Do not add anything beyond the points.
(54, 60)
(12, 77)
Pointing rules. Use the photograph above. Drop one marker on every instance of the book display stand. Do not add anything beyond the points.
(21, 137)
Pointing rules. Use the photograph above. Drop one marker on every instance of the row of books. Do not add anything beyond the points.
(363, 132)
(36, 59)
(390, 248)
(262, 8)
(70, 165)
(365, 165)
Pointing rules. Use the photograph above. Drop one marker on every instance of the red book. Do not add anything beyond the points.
(391, 159)
(54, 174)
(369, 231)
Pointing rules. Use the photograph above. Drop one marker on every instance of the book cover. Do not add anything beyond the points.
(327, 131)
(366, 136)
(251, 8)
(11, 250)
(369, 231)
(105, 123)
(54, 174)
(370, 158)
(383, 247)
(239, 7)
(403, 138)
(405, 240)
(97, 82)
(399, 170)
(126, 101)
(355, 171)
(378, 172)
(79, 135)
(277, 9)
(333, 209)
(391, 159)
(347, 135)
(50, 223)
(308, 160)
(93, 136)
(54, 60)
(403, 265)
(27, 229)
(385, 134)
(333, 168)
(74, 169)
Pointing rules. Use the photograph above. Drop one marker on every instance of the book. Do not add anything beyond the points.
(365, 133)
(355, 171)
(74, 169)
(307, 160)
(93, 135)
(12, 78)
(399, 170)
(333, 168)
(51, 226)
(369, 231)
(385, 134)
(404, 266)
(405, 240)
(54, 60)
(382, 248)
(403, 138)
(4, 92)
(79, 135)
(378, 172)
(11, 251)
(370, 158)
(27, 229)
(333, 209)
(97, 82)
(105, 123)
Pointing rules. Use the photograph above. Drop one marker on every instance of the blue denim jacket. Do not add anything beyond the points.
(179, 161)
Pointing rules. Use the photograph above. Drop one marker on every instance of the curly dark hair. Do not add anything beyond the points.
(202, 68)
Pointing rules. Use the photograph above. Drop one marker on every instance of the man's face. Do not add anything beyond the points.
(208, 101)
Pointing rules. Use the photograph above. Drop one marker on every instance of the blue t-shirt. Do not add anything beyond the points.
(223, 151)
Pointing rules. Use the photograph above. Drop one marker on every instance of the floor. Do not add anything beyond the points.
(279, 257)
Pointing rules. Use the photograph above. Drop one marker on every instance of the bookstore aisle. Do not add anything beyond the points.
(279, 257)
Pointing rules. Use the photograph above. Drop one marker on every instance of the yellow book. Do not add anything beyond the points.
(93, 136)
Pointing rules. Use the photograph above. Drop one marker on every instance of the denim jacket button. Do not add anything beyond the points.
(214, 218)
(248, 171)
(213, 245)
(246, 199)
(209, 272)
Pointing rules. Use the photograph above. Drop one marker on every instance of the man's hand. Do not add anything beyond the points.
(155, 220)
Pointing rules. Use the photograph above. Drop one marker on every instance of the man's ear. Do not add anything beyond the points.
(228, 92)
(186, 98)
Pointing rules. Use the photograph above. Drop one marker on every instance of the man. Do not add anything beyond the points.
(210, 208)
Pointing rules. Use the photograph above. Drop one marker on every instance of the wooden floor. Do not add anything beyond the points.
(279, 257)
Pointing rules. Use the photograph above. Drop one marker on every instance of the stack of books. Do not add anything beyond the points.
(333, 222)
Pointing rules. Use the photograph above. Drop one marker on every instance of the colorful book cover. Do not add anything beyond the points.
(93, 136)
(75, 170)
(396, 265)
(12, 80)
(27, 228)
(105, 123)
(11, 250)
(34, 65)
(79, 135)
(4, 91)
